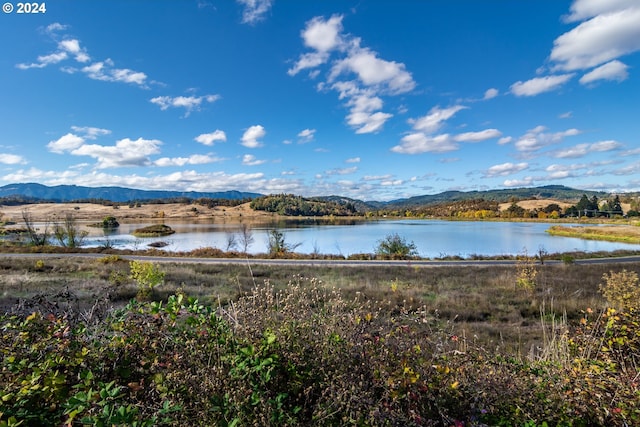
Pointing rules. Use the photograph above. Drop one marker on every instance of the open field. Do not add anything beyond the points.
(41, 212)
(474, 301)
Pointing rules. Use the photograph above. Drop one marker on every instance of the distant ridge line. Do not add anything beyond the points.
(67, 193)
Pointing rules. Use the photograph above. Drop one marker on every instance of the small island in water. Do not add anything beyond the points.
(156, 230)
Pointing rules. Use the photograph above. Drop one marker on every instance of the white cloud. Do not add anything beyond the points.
(353, 160)
(251, 136)
(211, 138)
(614, 70)
(90, 132)
(195, 159)
(322, 35)
(435, 119)
(505, 140)
(73, 47)
(505, 169)
(539, 85)
(585, 9)
(582, 150)
(566, 115)
(525, 182)
(611, 31)
(98, 70)
(417, 143)
(250, 160)
(254, 10)
(189, 103)
(490, 93)
(478, 136)
(386, 75)
(341, 171)
(56, 26)
(45, 60)
(306, 135)
(359, 75)
(537, 138)
(67, 142)
(125, 152)
(367, 122)
(308, 60)
(11, 159)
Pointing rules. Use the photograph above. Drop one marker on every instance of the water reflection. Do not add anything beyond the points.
(434, 238)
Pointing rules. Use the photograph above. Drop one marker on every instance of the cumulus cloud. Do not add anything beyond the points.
(505, 169)
(211, 138)
(358, 74)
(609, 32)
(189, 103)
(423, 140)
(341, 171)
(582, 150)
(125, 152)
(90, 132)
(539, 85)
(68, 47)
(250, 160)
(478, 136)
(251, 137)
(11, 159)
(419, 142)
(195, 159)
(525, 182)
(490, 93)
(254, 10)
(66, 142)
(387, 76)
(353, 160)
(306, 135)
(434, 120)
(537, 138)
(612, 71)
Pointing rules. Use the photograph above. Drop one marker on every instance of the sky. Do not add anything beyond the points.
(374, 100)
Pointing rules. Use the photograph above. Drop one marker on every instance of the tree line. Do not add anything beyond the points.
(291, 205)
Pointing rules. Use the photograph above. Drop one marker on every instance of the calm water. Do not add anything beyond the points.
(433, 238)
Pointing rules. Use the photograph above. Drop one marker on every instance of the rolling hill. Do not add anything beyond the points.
(66, 193)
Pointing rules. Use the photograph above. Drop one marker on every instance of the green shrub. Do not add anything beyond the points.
(396, 247)
(147, 276)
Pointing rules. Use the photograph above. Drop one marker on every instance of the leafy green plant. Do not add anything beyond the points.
(147, 275)
(526, 273)
(397, 247)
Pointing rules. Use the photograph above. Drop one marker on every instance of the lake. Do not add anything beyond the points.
(433, 238)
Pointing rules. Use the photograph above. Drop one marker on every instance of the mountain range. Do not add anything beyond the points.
(32, 192)
(67, 193)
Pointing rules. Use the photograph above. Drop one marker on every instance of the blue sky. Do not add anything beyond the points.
(375, 100)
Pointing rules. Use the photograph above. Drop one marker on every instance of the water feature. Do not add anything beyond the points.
(433, 238)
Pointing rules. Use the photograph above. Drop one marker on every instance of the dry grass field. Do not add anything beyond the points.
(90, 211)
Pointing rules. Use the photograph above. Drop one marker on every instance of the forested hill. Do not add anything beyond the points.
(556, 192)
(66, 193)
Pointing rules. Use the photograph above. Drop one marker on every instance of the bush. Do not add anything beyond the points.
(621, 289)
(147, 275)
(305, 355)
(396, 247)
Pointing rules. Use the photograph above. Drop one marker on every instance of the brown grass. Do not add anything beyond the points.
(41, 212)
(480, 303)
